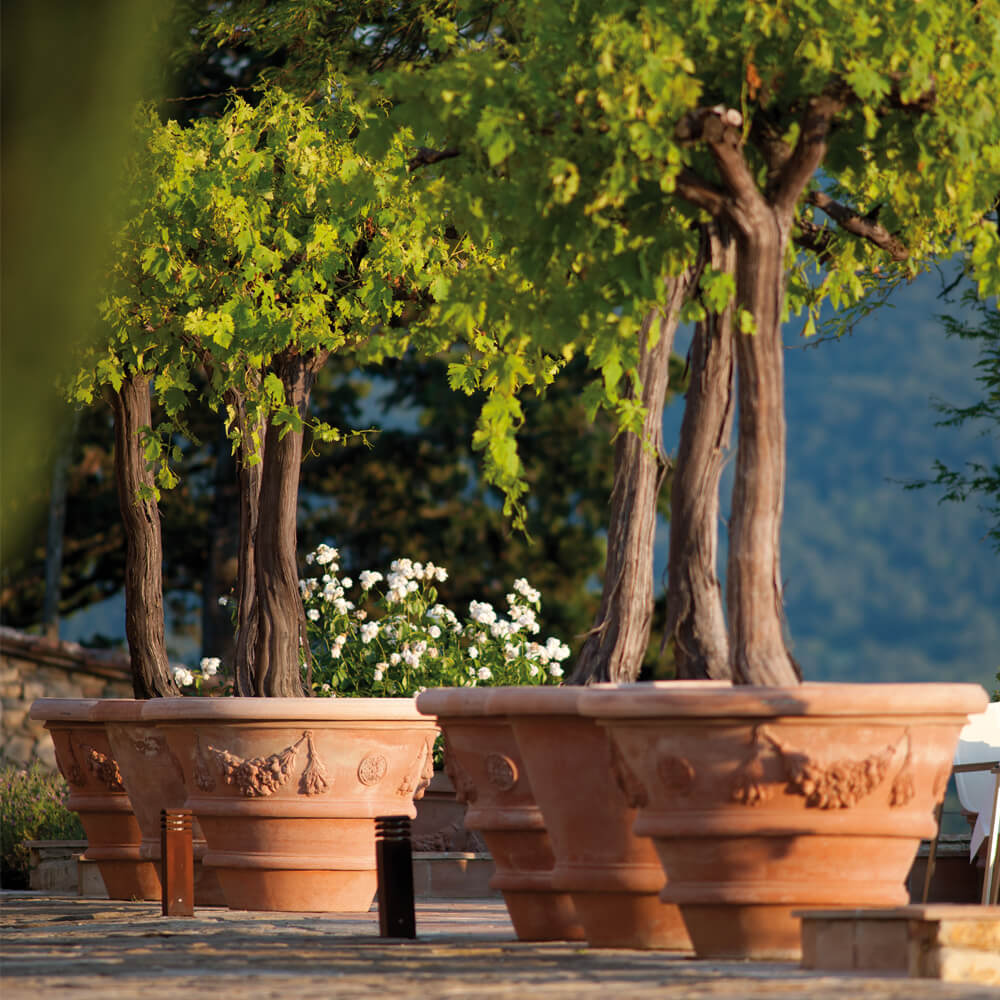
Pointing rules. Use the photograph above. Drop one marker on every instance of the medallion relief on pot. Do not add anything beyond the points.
(258, 777)
(501, 771)
(372, 769)
(839, 785)
(675, 773)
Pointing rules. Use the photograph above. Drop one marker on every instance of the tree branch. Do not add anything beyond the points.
(817, 239)
(807, 155)
(425, 157)
(864, 226)
(700, 193)
(720, 129)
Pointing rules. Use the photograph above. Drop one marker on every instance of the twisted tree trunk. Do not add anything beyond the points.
(281, 623)
(696, 623)
(144, 629)
(252, 436)
(617, 643)
(758, 654)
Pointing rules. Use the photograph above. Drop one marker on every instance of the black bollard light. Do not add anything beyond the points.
(177, 862)
(394, 862)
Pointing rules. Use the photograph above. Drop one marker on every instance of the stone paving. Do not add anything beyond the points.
(98, 949)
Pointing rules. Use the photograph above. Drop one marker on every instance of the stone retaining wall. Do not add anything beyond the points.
(33, 667)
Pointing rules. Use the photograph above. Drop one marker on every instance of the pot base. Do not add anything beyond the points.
(757, 932)
(631, 920)
(292, 891)
(543, 916)
(129, 879)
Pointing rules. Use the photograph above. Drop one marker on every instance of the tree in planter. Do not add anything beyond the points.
(265, 242)
(588, 141)
(287, 32)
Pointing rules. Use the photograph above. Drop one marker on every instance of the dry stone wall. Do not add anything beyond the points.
(33, 667)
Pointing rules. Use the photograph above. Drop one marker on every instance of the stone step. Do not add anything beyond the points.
(950, 942)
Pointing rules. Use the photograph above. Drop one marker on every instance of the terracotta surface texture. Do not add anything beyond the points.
(286, 790)
(98, 795)
(154, 780)
(483, 761)
(613, 876)
(763, 801)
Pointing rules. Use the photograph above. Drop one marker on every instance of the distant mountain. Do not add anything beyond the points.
(883, 583)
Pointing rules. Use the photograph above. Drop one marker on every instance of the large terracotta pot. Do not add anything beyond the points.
(154, 780)
(286, 790)
(98, 795)
(482, 758)
(588, 799)
(765, 801)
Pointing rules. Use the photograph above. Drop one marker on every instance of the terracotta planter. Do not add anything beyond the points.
(482, 758)
(286, 791)
(588, 799)
(97, 794)
(765, 801)
(154, 780)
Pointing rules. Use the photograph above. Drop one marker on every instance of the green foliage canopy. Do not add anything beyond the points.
(258, 232)
(573, 156)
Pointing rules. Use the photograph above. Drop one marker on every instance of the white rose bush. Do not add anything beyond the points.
(386, 635)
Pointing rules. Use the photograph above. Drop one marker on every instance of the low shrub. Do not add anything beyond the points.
(31, 808)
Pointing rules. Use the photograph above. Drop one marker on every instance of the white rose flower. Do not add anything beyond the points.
(224, 601)
(434, 632)
(347, 583)
(210, 666)
(325, 555)
(473, 652)
(484, 673)
(482, 612)
(379, 673)
(440, 574)
(183, 677)
(395, 659)
(313, 615)
(369, 631)
(555, 670)
(369, 579)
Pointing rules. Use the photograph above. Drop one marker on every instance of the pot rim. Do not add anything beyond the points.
(457, 701)
(223, 710)
(564, 700)
(62, 709)
(815, 699)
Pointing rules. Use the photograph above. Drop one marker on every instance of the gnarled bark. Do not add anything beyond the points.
(615, 646)
(753, 579)
(144, 629)
(249, 475)
(281, 624)
(695, 622)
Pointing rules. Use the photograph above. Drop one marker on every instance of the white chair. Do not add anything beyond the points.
(977, 780)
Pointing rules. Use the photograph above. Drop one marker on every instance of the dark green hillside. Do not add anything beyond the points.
(884, 583)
